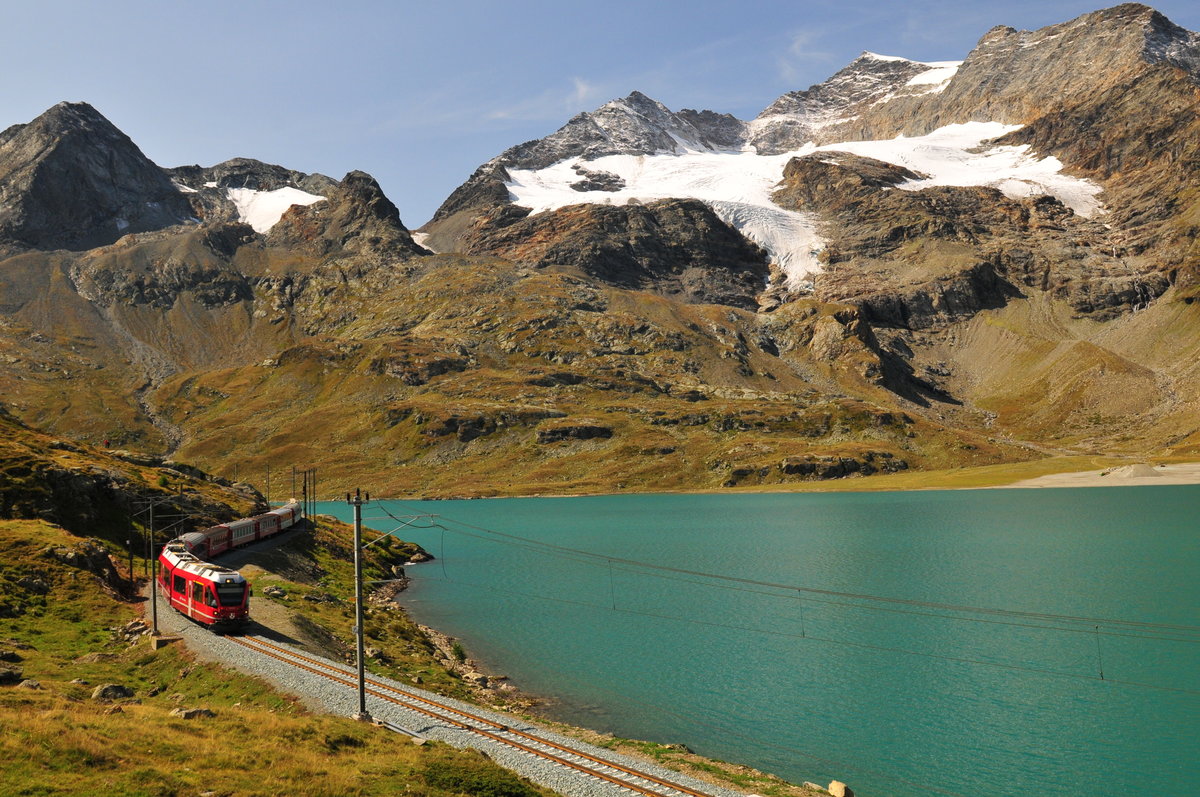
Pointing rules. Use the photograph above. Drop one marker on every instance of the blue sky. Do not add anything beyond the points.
(419, 95)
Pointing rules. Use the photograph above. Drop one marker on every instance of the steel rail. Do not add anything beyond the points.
(440, 710)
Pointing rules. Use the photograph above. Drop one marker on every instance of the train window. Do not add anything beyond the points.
(231, 594)
(209, 598)
(197, 592)
(180, 584)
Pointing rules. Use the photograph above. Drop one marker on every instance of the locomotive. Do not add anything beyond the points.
(210, 594)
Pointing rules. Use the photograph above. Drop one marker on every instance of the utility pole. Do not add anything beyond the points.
(268, 485)
(151, 553)
(153, 577)
(357, 502)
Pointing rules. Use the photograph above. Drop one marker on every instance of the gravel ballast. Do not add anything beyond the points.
(320, 694)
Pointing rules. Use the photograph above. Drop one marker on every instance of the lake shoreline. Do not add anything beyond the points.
(987, 477)
(1125, 476)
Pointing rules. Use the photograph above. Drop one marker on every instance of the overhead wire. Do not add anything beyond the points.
(735, 583)
(722, 581)
(829, 640)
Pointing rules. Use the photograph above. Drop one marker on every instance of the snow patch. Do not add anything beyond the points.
(419, 238)
(955, 155)
(183, 189)
(263, 209)
(937, 77)
(878, 57)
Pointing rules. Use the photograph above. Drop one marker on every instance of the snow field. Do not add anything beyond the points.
(738, 185)
(263, 209)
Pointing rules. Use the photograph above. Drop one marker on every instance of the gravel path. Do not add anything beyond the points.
(319, 694)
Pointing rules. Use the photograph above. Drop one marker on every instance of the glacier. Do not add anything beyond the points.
(738, 185)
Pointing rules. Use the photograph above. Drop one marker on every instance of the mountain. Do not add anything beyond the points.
(909, 266)
(1015, 89)
(71, 180)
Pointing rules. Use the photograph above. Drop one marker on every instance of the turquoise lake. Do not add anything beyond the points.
(969, 642)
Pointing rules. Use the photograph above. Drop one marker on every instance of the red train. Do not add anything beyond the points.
(210, 594)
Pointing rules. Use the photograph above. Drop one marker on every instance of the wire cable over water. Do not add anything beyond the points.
(722, 581)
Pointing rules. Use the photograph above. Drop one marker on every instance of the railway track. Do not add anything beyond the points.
(526, 742)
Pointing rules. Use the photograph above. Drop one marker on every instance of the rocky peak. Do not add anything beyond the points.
(1017, 76)
(797, 117)
(249, 173)
(1168, 43)
(632, 125)
(355, 217)
(71, 180)
(674, 247)
(208, 188)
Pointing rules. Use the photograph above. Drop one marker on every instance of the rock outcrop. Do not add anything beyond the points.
(355, 217)
(677, 248)
(918, 259)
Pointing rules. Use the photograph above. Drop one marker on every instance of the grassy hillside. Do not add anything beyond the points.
(57, 630)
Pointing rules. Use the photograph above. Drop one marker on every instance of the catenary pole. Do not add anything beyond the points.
(153, 577)
(357, 502)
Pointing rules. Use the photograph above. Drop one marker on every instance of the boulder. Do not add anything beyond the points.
(10, 676)
(29, 683)
(111, 692)
(191, 713)
(839, 789)
(476, 678)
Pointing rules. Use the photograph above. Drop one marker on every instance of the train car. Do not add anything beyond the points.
(208, 593)
(209, 542)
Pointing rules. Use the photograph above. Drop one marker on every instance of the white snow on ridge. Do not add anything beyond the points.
(263, 209)
(937, 77)
(738, 185)
(879, 57)
(954, 155)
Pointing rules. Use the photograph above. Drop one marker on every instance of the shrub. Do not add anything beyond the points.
(479, 779)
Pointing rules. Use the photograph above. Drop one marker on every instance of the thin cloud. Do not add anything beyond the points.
(552, 103)
(803, 50)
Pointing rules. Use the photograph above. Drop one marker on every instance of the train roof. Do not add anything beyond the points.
(243, 522)
(176, 553)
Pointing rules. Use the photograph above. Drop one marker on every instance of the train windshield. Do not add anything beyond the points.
(231, 594)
